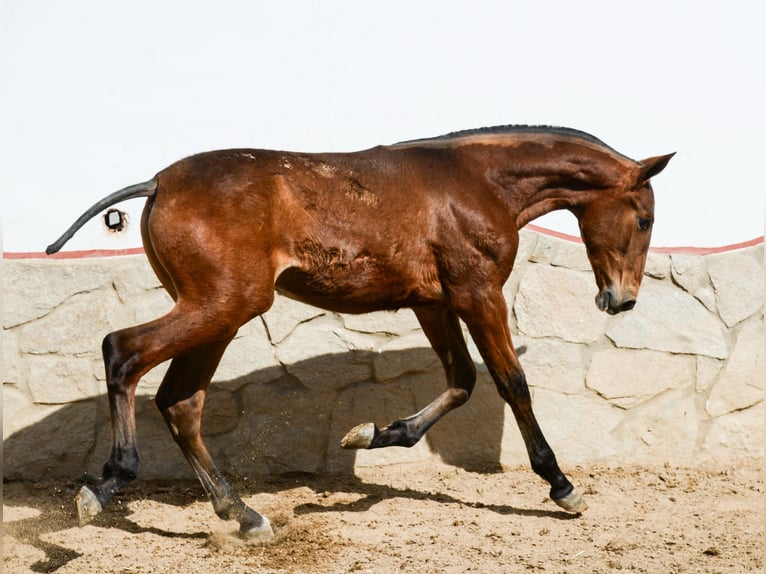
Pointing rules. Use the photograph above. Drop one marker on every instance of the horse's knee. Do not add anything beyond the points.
(469, 383)
(513, 388)
(465, 379)
(459, 396)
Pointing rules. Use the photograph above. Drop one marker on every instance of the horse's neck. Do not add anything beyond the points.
(536, 184)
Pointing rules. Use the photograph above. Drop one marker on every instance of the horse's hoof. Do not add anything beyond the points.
(573, 502)
(360, 436)
(260, 533)
(88, 506)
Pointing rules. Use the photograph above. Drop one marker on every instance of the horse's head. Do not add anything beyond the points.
(616, 229)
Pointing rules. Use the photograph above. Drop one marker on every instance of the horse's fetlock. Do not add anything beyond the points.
(397, 426)
(543, 462)
(557, 493)
(123, 463)
(405, 435)
(225, 507)
(409, 440)
(126, 472)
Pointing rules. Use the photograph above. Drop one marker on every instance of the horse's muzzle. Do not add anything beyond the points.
(608, 300)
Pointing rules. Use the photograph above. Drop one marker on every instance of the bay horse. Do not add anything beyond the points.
(430, 224)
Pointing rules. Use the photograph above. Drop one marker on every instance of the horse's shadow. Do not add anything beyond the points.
(284, 431)
(374, 493)
(58, 514)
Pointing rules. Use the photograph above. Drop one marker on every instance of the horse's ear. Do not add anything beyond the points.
(652, 166)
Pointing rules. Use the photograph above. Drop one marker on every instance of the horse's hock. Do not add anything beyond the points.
(681, 377)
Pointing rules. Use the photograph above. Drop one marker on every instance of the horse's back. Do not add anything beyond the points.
(351, 232)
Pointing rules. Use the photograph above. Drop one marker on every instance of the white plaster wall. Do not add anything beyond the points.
(680, 378)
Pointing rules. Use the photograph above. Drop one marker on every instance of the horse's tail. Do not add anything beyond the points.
(145, 189)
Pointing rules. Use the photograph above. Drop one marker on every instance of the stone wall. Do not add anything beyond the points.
(679, 378)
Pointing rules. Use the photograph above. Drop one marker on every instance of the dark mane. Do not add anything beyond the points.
(516, 129)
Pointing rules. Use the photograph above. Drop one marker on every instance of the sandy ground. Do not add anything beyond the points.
(405, 518)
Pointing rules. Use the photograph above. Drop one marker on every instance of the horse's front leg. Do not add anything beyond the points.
(487, 319)
(442, 328)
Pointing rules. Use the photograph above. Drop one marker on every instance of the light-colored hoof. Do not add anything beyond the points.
(88, 506)
(359, 437)
(573, 503)
(262, 533)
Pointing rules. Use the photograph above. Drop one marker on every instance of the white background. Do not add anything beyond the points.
(97, 95)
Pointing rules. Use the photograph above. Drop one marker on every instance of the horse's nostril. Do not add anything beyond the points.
(628, 305)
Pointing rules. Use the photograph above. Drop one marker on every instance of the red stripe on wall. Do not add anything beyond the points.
(73, 254)
(139, 250)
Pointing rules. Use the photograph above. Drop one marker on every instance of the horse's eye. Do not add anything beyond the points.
(644, 223)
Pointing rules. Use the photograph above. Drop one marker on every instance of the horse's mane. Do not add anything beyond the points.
(516, 129)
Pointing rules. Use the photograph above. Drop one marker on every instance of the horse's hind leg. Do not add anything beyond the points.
(128, 354)
(442, 328)
(180, 399)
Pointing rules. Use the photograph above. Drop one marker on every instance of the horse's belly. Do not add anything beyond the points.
(355, 290)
